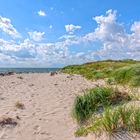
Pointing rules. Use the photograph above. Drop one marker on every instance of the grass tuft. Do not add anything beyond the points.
(121, 118)
(95, 100)
(19, 105)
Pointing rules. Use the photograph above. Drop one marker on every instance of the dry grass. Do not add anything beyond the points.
(19, 105)
(20, 77)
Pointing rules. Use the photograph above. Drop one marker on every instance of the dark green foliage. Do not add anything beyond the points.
(96, 100)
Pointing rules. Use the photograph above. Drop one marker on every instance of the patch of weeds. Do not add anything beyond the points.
(20, 77)
(19, 105)
(111, 81)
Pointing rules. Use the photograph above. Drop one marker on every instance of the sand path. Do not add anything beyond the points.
(48, 102)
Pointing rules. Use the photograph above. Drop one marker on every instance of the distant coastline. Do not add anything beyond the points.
(28, 70)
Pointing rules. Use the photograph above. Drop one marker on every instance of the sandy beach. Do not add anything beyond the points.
(47, 104)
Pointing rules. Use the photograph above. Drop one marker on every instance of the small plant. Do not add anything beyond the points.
(20, 77)
(111, 81)
(19, 105)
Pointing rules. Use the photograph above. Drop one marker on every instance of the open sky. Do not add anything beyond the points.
(55, 33)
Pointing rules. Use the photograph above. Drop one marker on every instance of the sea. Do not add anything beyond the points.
(28, 70)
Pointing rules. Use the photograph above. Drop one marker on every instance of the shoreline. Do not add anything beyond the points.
(28, 70)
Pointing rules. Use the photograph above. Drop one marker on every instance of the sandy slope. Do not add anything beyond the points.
(48, 101)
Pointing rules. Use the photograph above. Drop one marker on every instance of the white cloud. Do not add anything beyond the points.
(108, 30)
(67, 37)
(70, 28)
(41, 13)
(36, 36)
(108, 40)
(29, 53)
(7, 27)
(116, 43)
(136, 27)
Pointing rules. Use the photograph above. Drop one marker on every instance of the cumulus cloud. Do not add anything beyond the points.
(36, 36)
(7, 27)
(41, 13)
(29, 53)
(111, 35)
(70, 28)
(108, 30)
(109, 40)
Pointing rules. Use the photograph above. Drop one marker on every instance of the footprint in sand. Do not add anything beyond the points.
(37, 129)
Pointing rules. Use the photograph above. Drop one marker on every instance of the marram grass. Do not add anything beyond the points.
(129, 75)
(112, 120)
(121, 71)
(95, 100)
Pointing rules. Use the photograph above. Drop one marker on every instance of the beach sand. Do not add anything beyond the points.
(47, 103)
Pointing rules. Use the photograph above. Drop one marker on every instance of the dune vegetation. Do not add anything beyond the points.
(105, 108)
(96, 100)
(116, 71)
(122, 118)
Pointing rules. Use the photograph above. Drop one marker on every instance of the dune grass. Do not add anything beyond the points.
(95, 100)
(128, 75)
(121, 71)
(103, 109)
(121, 118)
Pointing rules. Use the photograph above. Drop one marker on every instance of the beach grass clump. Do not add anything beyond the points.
(112, 120)
(129, 75)
(95, 100)
(19, 105)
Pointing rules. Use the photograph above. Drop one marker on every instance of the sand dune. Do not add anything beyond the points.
(48, 102)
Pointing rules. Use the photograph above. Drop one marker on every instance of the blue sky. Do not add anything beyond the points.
(55, 33)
